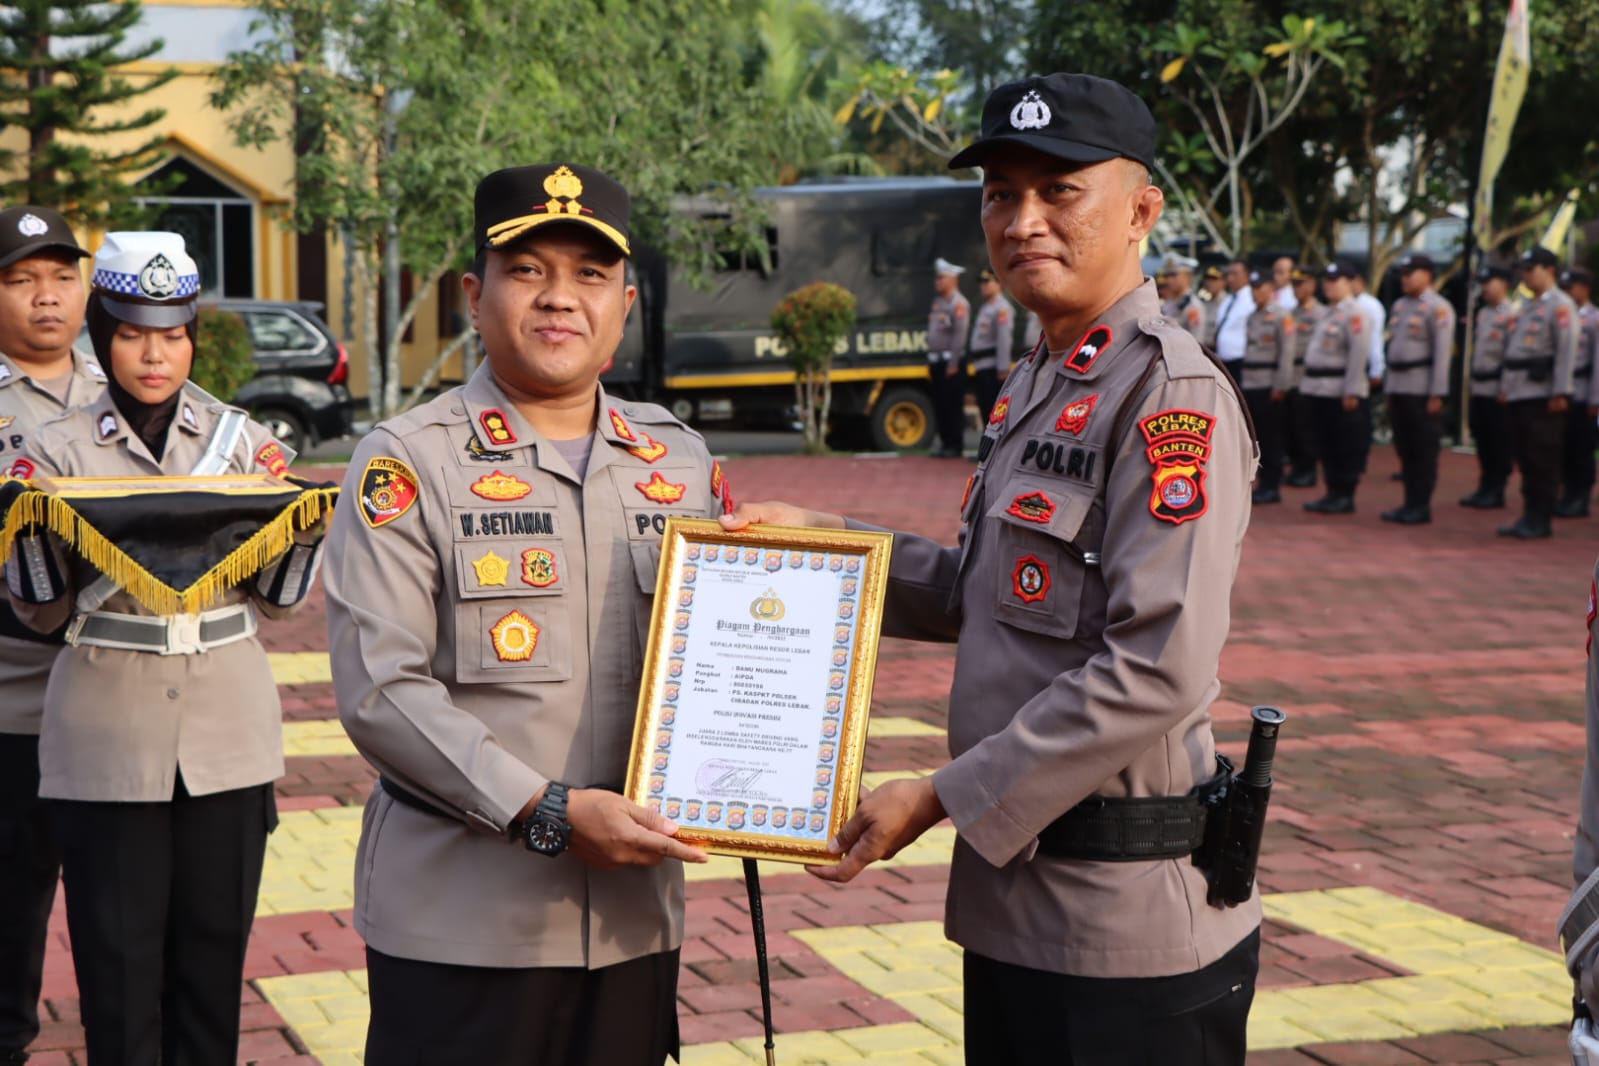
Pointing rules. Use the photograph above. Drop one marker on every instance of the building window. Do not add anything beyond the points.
(216, 222)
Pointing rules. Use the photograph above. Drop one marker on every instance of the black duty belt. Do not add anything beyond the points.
(1546, 362)
(1486, 375)
(1414, 364)
(1586, 371)
(1135, 828)
(1325, 371)
(981, 353)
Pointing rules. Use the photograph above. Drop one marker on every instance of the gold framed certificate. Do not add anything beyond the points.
(757, 685)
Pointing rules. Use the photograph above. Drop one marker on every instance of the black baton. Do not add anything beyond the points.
(1243, 814)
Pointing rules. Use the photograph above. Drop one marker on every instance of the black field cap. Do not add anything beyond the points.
(1257, 278)
(1575, 276)
(1488, 273)
(987, 275)
(1300, 274)
(1340, 268)
(1417, 261)
(26, 231)
(511, 203)
(1539, 256)
(1075, 117)
(1214, 273)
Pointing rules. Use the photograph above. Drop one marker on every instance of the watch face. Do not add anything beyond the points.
(546, 837)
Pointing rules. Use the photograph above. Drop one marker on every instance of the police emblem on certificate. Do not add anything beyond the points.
(757, 685)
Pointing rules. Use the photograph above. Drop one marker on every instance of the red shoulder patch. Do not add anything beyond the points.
(997, 415)
(388, 490)
(1179, 445)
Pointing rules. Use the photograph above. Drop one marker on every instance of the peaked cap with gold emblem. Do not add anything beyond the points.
(511, 203)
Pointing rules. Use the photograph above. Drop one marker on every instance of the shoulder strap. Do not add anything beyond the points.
(224, 438)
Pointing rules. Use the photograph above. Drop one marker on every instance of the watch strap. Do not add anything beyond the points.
(553, 805)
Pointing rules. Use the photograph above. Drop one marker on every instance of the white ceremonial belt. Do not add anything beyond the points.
(179, 634)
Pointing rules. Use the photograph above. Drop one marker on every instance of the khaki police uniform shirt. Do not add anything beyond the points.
(1089, 598)
(1335, 359)
(1188, 311)
(24, 662)
(993, 332)
(1494, 322)
(947, 326)
(120, 725)
(487, 618)
(1269, 349)
(1306, 318)
(1542, 349)
(1421, 337)
(1585, 392)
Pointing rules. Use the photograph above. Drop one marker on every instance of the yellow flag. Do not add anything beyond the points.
(1554, 238)
(1510, 86)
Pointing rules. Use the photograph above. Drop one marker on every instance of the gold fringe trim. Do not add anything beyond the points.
(35, 508)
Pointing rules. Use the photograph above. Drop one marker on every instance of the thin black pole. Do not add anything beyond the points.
(752, 884)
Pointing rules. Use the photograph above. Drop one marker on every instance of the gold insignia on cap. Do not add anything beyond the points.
(563, 185)
(515, 637)
(491, 569)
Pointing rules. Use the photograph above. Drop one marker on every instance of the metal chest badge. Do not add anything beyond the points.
(1178, 447)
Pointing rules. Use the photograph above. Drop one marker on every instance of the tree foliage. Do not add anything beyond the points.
(812, 322)
(58, 83)
(224, 355)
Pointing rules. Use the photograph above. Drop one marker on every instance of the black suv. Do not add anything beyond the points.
(300, 391)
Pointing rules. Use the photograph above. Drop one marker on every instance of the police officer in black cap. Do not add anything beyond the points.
(1421, 338)
(1536, 387)
(1490, 430)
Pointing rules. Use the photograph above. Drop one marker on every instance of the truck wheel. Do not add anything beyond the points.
(902, 419)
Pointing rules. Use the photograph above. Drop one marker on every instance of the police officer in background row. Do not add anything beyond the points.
(489, 592)
(1536, 387)
(41, 311)
(1268, 374)
(1184, 306)
(1085, 666)
(1582, 434)
(1300, 441)
(1212, 286)
(992, 343)
(1421, 339)
(948, 324)
(1336, 391)
(1486, 412)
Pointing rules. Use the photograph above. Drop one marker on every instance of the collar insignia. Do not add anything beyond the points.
(94, 369)
(648, 449)
(5, 372)
(1094, 341)
(6, 420)
(189, 418)
(108, 425)
(497, 427)
(623, 430)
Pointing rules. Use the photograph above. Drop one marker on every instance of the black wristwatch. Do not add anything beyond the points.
(546, 830)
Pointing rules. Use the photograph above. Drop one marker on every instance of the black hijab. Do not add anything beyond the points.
(149, 421)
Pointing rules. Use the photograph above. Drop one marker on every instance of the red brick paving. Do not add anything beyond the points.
(1433, 676)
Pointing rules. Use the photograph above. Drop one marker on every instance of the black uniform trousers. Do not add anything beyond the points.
(434, 1014)
(949, 403)
(1490, 430)
(160, 897)
(30, 864)
(1343, 441)
(1536, 436)
(1417, 436)
(1577, 462)
(1269, 426)
(1017, 1016)
(1301, 442)
(985, 381)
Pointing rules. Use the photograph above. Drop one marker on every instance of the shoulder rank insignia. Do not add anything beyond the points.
(271, 457)
(538, 567)
(189, 417)
(497, 427)
(1032, 507)
(475, 450)
(648, 448)
(514, 637)
(6, 420)
(619, 424)
(721, 488)
(108, 425)
(1030, 580)
(659, 490)
(388, 490)
(997, 415)
(500, 487)
(491, 569)
(1179, 445)
(1074, 417)
(1094, 341)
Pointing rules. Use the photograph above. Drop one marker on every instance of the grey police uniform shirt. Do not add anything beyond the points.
(119, 725)
(993, 332)
(1306, 318)
(24, 404)
(1269, 349)
(487, 637)
(1421, 337)
(1542, 349)
(1583, 376)
(1188, 311)
(1089, 601)
(947, 326)
(1336, 358)
(1490, 338)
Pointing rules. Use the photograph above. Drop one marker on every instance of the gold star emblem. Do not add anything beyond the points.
(491, 569)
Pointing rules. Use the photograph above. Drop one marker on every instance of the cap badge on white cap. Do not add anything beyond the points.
(159, 278)
(1030, 113)
(31, 225)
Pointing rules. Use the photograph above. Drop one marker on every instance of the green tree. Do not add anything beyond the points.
(813, 322)
(58, 83)
(224, 357)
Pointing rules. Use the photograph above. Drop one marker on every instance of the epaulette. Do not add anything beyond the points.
(1179, 350)
(444, 409)
(653, 414)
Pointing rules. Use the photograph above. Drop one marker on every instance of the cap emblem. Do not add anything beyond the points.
(564, 188)
(31, 225)
(159, 278)
(1031, 113)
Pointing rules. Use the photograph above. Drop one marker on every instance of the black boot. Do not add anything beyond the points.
(1332, 504)
(1265, 496)
(1528, 527)
(1572, 507)
(1485, 499)
(1303, 479)
(1409, 515)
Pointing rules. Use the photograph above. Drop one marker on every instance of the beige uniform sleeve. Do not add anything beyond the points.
(1283, 380)
(1359, 329)
(1166, 621)
(382, 587)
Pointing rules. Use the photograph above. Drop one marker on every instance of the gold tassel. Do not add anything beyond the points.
(270, 541)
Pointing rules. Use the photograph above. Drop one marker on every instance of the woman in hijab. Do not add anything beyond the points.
(162, 733)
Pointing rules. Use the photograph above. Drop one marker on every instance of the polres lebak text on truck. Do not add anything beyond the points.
(708, 352)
